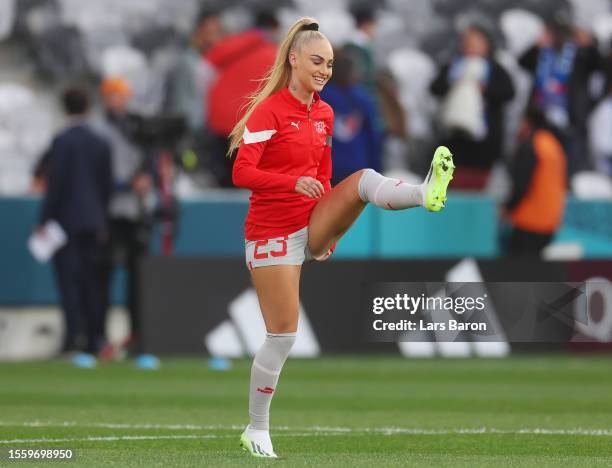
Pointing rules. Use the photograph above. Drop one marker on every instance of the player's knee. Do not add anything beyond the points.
(282, 326)
(318, 252)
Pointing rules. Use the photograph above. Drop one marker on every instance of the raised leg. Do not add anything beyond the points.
(339, 208)
(335, 214)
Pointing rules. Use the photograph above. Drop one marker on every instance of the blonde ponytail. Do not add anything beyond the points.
(277, 77)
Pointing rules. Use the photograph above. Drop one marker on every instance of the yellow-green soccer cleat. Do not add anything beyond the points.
(250, 442)
(439, 176)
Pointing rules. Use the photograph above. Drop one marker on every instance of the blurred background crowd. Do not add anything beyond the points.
(520, 90)
(408, 75)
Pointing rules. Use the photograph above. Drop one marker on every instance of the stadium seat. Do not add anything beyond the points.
(338, 25)
(586, 14)
(413, 70)
(316, 7)
(521, 29)
(416, 16)
(499, 184)
(15, 176)
(602, 28)
(122, 60)
(563, 251)
(98, 40)
(522, 90)
(590, 185)
(7, 18)
(25, 132)
(334, 22)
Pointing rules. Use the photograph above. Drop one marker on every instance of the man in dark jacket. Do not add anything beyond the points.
(79, 187)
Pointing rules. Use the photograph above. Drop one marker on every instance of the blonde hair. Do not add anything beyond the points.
(277, 77)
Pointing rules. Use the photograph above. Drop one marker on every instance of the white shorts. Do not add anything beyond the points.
(284, 250)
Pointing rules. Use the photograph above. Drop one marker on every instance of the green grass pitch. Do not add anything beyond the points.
(335, 411)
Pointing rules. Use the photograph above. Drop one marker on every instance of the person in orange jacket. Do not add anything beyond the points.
(539, 175)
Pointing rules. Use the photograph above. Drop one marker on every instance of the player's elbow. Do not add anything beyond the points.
(238, 176)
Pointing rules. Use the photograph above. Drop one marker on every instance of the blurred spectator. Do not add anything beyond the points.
(357, 138)
(359, 47)
(79, 180)
(600, 124)
(240, 60)
(392, 114)
(562, 63)
(193, 75)
(475, 88)
(535, 208)
(607, 69)
(380, 85)
(188, 87)
(130, 207)
(409, 134)
(600, 134)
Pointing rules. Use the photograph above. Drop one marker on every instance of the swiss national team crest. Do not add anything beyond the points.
(320, 126)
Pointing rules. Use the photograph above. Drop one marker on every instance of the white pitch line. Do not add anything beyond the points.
(173, 427)
(325, 430)
(144, 437)
(490, 430)
(111, 438)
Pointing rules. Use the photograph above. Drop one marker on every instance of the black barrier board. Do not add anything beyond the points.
(186, 300)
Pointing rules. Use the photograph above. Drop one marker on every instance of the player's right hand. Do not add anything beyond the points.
(310, 187)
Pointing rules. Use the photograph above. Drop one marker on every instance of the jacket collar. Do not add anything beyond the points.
(291, 99)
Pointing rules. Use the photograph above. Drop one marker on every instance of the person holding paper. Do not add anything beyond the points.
(79, 184)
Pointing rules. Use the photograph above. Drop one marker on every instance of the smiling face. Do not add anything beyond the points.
(311, 65)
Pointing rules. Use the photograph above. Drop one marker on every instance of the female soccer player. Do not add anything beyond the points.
(284, 158)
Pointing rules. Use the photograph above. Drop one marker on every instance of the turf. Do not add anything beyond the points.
(336, 411)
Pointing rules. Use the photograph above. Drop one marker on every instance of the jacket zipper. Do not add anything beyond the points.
(310, 129)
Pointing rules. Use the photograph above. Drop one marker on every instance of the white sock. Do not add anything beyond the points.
(265, 371)
(390, 194)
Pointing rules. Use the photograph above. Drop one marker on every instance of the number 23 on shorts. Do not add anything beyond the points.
(275, 253)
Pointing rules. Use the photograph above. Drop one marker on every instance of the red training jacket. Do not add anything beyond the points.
(283, 141)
